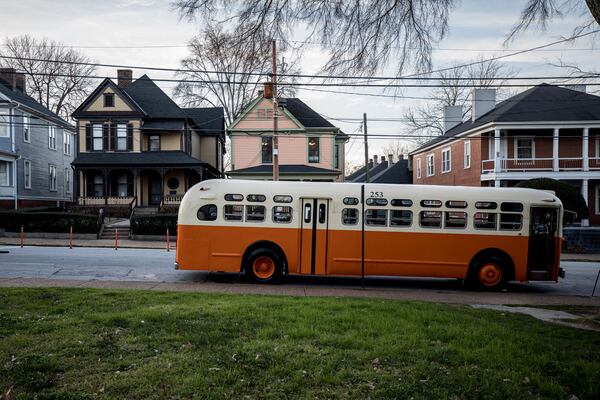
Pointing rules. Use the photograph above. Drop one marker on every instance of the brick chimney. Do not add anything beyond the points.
(124, 77)
(268, 90)
(375, 159)
(14, 79)
(390, 159)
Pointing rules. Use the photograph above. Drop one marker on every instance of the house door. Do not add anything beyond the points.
(542, 242)
(314, 236)
(154, 189)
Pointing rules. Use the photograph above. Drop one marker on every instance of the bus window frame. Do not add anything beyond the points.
(431, 211)
(398, 225)
(247, 213)
(233, 205)
(495, 228)
(356, 216)
(466, 220)
(376, 210)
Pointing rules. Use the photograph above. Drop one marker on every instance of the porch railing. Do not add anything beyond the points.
(106, 201)
(539, 164)
(594, 163)
(172, 199)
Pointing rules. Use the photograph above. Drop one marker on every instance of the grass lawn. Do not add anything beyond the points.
(76, 343)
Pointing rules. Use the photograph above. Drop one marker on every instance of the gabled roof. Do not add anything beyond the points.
(209, 120)
(541, 103)
(304, 114)
(33, 105)
(383, 173)
(152, 100)
(285, 169)
(80, 111)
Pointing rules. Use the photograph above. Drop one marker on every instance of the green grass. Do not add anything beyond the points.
(75, 343)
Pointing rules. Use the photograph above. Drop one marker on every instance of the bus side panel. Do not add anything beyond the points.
(220, 248)
(419, 254)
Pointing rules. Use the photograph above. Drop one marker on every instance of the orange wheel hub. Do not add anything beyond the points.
(263, 267)
(490, 275)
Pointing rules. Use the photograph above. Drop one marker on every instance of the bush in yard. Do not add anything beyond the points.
(52, 222)
(154, 224)
(569, 195)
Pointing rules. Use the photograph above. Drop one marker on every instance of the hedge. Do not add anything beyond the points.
(52, 222)
(154, 224)
(569, 195)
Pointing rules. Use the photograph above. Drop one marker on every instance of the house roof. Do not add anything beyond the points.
(32, 104)
(163, 124)
(285, 169)
(304, 114)
(150, 158)
(541, 103)
(151, 99)
(210, 120)
(359, 176)
(383, 173)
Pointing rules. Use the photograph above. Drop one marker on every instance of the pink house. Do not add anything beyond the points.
(310, 147)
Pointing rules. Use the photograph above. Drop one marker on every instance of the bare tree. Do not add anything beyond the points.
(427, 120)
(396, 148)
(537, 14)
(54, 77)
(218, 51)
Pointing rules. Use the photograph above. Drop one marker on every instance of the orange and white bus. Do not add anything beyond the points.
(486, 236)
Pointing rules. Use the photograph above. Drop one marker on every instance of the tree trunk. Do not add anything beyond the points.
(594, 6)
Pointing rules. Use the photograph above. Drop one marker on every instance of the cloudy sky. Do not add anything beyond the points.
(476, 28)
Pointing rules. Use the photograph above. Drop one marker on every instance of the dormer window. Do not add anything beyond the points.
(109, 99)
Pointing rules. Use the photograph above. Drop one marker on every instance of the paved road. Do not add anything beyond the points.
(148, 268)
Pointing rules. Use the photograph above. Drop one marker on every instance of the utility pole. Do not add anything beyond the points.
(366, 148)
(275, 114)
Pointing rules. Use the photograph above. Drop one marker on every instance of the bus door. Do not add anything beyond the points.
(314, 236)
(542, 255)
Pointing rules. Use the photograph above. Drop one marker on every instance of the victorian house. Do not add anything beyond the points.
(544, 132)
(136, 147)
(310, 148)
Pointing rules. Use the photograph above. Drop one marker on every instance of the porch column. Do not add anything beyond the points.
(585, 194)
(162, 183)
(135, 185)
(585, 149)
(555, 144)
(497, 166)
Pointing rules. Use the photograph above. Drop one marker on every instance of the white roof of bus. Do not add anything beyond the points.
(331, 189)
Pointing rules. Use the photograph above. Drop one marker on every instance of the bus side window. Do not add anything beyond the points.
(233, 212)
(255, 213)
(376, 217)
(207, 212)
(430, 219)
(455, 219)
(282, 214)
(511, 222)
(511, 207)
(307, 212)
(322, 213)
(484, 220)
(350, 216)
(400, 217)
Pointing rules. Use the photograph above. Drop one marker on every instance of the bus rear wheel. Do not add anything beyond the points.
(489, 274)
(263, 266)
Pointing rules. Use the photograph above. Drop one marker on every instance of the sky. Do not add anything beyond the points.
(476, 28)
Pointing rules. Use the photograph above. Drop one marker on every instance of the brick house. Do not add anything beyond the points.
(310, 147)
(136, 147)
(36, 149)
(546, 131)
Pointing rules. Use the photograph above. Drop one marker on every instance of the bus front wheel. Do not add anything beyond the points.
(264, 266)
(489, 274)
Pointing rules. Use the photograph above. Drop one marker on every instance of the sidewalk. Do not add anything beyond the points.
(123, 243)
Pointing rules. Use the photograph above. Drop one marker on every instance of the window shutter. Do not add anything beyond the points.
(105, 136)
(129, 137)
(88, 137)
(113, 136)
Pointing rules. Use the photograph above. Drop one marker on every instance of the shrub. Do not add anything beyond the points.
(569, 195)
(53, 222)
(154, 224)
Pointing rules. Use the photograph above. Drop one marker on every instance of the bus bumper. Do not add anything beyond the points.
(561, 273)
(176, 264)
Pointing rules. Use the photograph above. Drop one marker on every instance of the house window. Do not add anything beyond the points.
(418, 168)
(264, 113)
(336, 156)
(524, 148)
(122, 186)
(51, 137)
(68, 173)
(313, 150)
(109, 99)
(4, 121)
(266, 149)
(97, 141)
(121, 137)
(98, 185)
(446, 161)
(27, 174)
(26, 127)
(430, 165)
(467, 159)
(67, 143)
(52, 177)
(4, 173)
(154, 143)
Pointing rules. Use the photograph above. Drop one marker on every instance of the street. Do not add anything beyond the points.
(148, 268)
